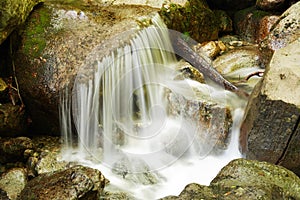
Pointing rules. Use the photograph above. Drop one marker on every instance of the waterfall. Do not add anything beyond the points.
(123, 112)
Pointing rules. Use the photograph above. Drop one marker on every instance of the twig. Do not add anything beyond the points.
(14, 74)
(258, 73)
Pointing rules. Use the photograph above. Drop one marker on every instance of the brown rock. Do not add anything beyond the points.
(77, 182)
(270, 4)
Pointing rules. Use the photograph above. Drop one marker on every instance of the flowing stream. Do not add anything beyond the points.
(133, 115)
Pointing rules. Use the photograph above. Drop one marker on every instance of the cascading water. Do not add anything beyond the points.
(128, 127)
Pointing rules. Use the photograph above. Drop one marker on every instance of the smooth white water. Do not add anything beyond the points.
(125, 125)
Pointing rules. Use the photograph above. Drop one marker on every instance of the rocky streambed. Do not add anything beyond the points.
(250, 43)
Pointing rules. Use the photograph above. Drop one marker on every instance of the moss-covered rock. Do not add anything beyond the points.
(246, 179)
(13, 13)
(55, 42)
(77, 182)
(13, 182)
(195, 19)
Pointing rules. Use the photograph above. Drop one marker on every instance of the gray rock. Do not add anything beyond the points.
(77, 182)
(13, 182)
(238, 64)
(270, 131)
(13, 13)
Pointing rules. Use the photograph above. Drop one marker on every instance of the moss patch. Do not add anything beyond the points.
(34, 34)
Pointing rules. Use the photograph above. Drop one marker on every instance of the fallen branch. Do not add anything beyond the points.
(182, 49)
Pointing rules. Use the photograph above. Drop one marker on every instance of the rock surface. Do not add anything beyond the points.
(56, 41)
(286, 30)
(13, 182)
(13, 120)
(246, 179)
(77, 182)
(271, 131)
(13, 13)
(13, 149)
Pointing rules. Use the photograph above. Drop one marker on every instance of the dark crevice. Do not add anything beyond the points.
(281, 158)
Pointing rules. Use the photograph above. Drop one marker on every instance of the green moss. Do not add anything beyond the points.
(194, 19)
(34, 34)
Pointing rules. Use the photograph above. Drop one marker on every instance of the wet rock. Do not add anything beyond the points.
(13, 120)
(194, 19)
(247, 22)
(47, 157)
(55, 41)
(135, 170)
(156, 4)
(210, 49)
(13, 149)
(77, 182)
(211, 121)
(13, 182)
(13, 13)
(188, 72)
(246, 179)
(286, 30)
(230, 4)
(238, 64)
(270, 4)
(270, 131)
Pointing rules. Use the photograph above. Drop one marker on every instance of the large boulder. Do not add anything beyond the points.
(270, 130)
(246, 179)
(55, 41)
(13, 13)
(77, 182)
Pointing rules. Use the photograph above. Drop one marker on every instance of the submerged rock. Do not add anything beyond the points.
(246, 179)
(77, 182)
(55, 41)
(13, 13)
(271, 131)
(13, 182)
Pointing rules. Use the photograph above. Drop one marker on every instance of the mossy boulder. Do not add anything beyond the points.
(77, 182)
(195, 19)
(13, 13)
(55, 42)
(246, 179)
